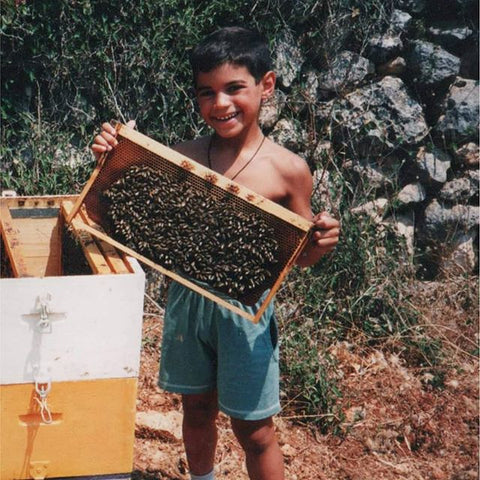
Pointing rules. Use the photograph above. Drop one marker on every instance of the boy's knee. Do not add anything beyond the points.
(255, 436)
(200, 409)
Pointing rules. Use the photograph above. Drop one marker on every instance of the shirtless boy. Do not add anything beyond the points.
(215, 359)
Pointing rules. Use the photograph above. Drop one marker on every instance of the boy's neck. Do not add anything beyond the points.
(225, 153)
(235, 145)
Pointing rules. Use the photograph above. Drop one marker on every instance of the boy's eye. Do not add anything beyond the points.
(234, 88)
(205, 93)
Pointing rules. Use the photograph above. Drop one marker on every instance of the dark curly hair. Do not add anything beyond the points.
(237, 45)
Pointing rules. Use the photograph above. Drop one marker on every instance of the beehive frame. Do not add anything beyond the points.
(133, 146)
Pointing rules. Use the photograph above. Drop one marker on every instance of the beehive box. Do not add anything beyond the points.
(191, 223)
(69, 347)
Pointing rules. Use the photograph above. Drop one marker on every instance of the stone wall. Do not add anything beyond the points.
(401, 116)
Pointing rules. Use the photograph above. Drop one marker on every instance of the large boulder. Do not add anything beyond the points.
(461, 189)
(468, 155)
(411, 194)
(374, 118)
(289, 134)
(382, 48)
(346, 70)
(433, 165)
(442, 221)
(272, 109)
(400, 21)
(460, 122)
(431, 65)
(451, 38)
(288, 59)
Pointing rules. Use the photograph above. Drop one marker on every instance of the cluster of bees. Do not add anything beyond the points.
(190, 232)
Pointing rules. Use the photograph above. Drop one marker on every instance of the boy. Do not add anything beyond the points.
(214, 358)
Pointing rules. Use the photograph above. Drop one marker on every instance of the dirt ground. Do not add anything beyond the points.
(398, 423)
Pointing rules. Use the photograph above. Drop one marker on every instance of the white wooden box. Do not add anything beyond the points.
(92, 327)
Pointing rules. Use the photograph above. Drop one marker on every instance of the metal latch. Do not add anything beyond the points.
(43, 316)
(43, 385)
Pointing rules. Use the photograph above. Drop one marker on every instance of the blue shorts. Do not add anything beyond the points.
(207, 347)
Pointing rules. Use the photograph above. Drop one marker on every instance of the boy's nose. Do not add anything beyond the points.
(221, 99)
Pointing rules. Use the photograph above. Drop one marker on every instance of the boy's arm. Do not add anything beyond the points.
(327, 228)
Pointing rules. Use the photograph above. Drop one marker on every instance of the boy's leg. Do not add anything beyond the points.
(200, 431)
(263, 455)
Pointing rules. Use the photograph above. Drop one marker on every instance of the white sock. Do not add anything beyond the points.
(208, 476)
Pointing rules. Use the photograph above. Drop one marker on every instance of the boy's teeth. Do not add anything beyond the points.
(228, 117)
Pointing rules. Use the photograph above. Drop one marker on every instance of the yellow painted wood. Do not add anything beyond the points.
(115, 260)
(92, 432)
(41, 240)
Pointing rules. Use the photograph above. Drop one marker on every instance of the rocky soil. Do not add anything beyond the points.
(400, 422)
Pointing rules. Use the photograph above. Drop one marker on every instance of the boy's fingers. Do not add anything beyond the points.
(324, 233)
(324, 221)
(131, 124)
(109, 128)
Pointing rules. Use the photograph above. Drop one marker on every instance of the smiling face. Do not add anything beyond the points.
(230, 99)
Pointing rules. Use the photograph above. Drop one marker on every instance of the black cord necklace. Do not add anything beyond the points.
(244, 167)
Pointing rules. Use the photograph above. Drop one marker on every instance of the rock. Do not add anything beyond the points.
(346, 70)
(394, 67)
(460, 121)
(432, 65)
(462, 257)
(412, 193)
(468, 155)
(288, 60)
(325, 195)
(311, 84)
(433, 166)
(450, 38)
(441, 220)
(166, 426)
(288, 450)
(323, 153)
(400, 21)
(382, 48)
(461, 189)
(272, 109)
(288, 134)
(374, 209)
(404, 225)
(376, 176)
(371, 118)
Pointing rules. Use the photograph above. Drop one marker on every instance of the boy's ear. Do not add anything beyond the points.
(268, 84)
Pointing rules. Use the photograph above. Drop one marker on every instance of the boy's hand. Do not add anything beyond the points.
(106, 140)
(325, 238)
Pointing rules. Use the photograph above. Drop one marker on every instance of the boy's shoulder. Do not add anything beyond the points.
(289, 164)
(195, 149)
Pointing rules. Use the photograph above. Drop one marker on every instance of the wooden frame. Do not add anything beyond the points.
(74, 216)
